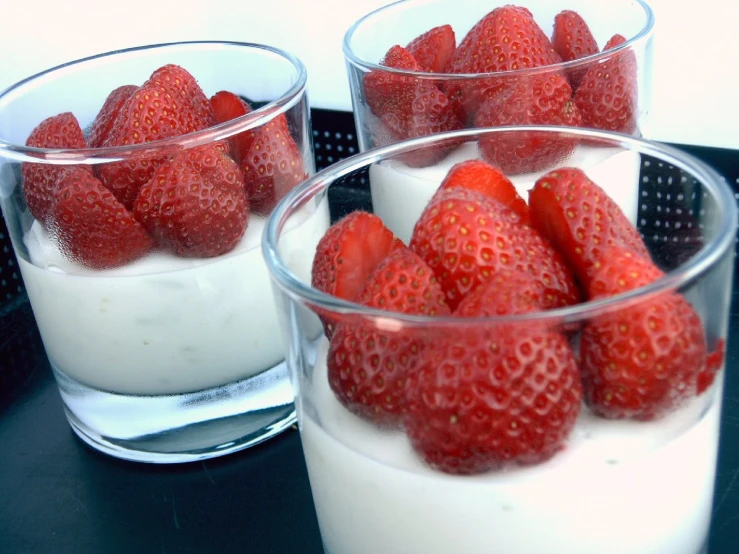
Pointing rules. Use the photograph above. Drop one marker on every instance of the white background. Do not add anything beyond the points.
(696, 50)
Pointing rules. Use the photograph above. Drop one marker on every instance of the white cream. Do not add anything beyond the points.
(617, 487)
(400, 193)
(163, 324)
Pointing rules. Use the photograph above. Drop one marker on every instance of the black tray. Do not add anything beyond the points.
(58, 495)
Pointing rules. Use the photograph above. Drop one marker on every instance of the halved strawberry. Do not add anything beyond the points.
(643, 360)
(466, 237)
(272, 166)
(91, 226)
(505, 39)
(169, 104)
(39, 180)
(573, 40)
(490, 181)
(433, 48)
(367, 367)
(581, 220)
(409, 107)
(195, 204)
(402, 282)
(348, 253)
(505, 293)
(607, 96)
(485, 398)
(227, 106)
(105, 118)
(539, 100)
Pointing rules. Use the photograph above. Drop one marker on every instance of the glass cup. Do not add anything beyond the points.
(395, 99)
(440, 434)
(172, 353)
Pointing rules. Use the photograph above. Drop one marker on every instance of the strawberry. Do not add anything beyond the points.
(169, 104)
(581, 220)
(348, 253)
(466, 237)
(195, 204)
(490, 181)
(505, 293)
(485, 398)
(39, 180)
(642, 360)
(505, 39)
(367, 367)
(539, 100)
(433, 48)
(272, 166)
(409, 107)
(402, 282)
(92, 227)
(227, 106)
(714, 362)
(607, 95)
(105, 118)
(573, 40)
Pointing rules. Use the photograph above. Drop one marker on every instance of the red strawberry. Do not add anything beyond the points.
(505, 39)
(40, 180)
(409, 107)
(348, 253)
(505, 293)
(402, 282)
(466, 238)
(486, 398)
(105, 118)
(367, 367)
(714, 362)
(195, 204)
(169, 104)
(227, 106)
(490, 181)
(92, 227)
(272, 166)
(607, 96)
(433, 49)
(642, 360)
(573, 40)
(539, 100)
(581, 220)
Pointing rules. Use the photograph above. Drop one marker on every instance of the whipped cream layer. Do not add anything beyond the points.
(164, 324)
(400, 192)
(618, 486)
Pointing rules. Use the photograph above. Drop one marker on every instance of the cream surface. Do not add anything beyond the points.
(163, 324)
(400, 193)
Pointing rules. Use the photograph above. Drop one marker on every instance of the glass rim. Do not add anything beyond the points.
(642, 36)
(708, 256)
(108, 154)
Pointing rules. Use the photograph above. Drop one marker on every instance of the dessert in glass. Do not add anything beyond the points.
(135, 186)
(533, 369)
(420, 67)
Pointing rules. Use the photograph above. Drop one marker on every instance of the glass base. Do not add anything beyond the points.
(181, 427)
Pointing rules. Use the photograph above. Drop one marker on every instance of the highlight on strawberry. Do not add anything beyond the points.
(193, 203)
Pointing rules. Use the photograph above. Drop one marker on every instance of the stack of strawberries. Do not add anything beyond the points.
(507, 41)
(193, 203)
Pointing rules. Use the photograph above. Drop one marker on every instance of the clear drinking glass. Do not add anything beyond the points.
(169, 357)
(606, 89)
(616, 485)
